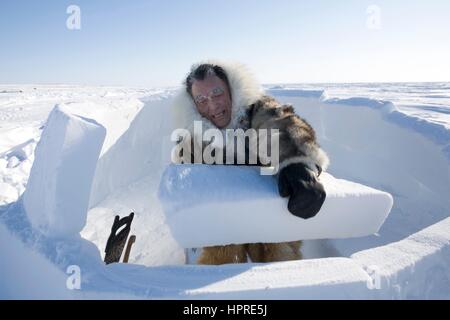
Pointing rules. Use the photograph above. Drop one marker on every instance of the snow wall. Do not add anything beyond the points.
(57, 196)
(366, 145)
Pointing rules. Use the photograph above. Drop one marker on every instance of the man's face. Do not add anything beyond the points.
(212, 98)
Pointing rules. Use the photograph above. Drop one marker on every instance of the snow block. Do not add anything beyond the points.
(57, 195)
(218, 205)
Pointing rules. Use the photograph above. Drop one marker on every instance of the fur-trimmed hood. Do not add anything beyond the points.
(245, 90)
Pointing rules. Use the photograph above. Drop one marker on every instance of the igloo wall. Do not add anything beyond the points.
(409, 257)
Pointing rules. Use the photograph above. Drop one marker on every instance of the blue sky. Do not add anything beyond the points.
(153, 43)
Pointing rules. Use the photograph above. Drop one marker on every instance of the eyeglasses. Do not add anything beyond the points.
(201, 100)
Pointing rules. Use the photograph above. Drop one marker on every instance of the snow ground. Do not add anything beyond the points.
(403, 150)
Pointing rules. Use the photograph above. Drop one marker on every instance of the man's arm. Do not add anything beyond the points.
(301, 158)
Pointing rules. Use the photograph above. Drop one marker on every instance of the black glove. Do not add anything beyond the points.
(306, 194)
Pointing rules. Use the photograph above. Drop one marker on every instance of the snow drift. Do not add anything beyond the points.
(218, 205)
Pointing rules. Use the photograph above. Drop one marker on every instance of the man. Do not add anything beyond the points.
(225, 96)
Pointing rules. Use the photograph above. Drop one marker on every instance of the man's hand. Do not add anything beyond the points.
(306, 194)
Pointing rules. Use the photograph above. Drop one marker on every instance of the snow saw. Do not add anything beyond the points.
(116, 240)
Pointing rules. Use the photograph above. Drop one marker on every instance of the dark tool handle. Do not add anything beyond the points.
(131, 240)
(116, 242)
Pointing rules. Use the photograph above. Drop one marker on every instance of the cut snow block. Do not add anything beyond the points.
(57, 195)
(219, 205)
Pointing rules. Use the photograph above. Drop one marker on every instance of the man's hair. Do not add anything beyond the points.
(200, 72)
